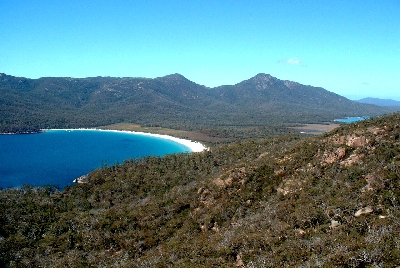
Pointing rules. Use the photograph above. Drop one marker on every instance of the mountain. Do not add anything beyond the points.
(267, 94)
(380, 102)
(324, 201)
(170, 101)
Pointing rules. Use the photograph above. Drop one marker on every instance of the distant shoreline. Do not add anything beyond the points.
(22, 132)
(194, 146)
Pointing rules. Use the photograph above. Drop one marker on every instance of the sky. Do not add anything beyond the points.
(351, 48)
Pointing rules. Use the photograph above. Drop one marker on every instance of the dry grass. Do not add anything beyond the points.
(316, 128)
(190, 135)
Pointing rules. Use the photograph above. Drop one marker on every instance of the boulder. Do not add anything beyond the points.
(366, 210)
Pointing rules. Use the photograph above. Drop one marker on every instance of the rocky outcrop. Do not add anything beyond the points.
(363, 211)
(331, 157)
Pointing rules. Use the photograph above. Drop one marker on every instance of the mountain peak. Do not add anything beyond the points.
(264, 76)
(261, 81)
(174, 76)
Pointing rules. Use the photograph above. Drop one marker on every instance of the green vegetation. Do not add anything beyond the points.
(286, 201)
(263, 103)
(210, 135)
(251, 201)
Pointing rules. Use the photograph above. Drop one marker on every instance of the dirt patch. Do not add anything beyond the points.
(315, 128)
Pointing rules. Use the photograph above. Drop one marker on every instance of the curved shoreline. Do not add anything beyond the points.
(194, 146)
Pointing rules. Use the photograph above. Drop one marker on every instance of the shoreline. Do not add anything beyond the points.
(194, 146)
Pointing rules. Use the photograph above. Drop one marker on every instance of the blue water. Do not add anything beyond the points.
(57, 157)
(351, 119)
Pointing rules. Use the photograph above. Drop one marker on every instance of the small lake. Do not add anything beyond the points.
(351, 119)
(57, 157)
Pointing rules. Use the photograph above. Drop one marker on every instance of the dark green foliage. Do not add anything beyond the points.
(27, 105)
(279, 202)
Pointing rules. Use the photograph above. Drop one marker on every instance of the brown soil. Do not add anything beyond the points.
(316, 128)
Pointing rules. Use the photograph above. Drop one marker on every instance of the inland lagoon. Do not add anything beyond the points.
(57, 157)
(351, 119)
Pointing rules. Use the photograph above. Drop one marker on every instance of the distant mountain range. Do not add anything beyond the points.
(169, 101)
(380, 102)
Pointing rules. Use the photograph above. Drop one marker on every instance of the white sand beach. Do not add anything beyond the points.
(193, 146)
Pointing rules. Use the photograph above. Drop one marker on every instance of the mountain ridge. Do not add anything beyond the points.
(379, 102)
(169, 101)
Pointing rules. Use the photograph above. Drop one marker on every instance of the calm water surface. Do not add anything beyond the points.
(351, 119)
(57, 157)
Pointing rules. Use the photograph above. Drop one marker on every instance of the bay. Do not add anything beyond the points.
(57, 157)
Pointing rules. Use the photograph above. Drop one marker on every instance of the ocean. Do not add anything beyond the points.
(57, 157)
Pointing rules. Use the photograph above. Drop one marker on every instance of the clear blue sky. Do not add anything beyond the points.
(348, 47)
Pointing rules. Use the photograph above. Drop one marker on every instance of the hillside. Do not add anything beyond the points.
(380, 102)
(324, 201)
(171, 101)
(267, 93)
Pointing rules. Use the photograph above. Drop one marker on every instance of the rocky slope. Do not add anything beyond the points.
(324, 201)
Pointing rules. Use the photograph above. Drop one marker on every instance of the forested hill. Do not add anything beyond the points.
(171, 101)
(380, 102)
(327, 201)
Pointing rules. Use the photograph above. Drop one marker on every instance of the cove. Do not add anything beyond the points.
(57, 157)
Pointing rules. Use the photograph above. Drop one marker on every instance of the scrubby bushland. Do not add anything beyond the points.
(326, 201)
